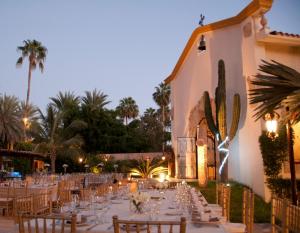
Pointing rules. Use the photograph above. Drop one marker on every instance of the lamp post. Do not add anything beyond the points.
(46, 166)
(116, 167)
(86, 168)
(65, 167)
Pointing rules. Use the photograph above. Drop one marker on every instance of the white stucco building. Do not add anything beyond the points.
(242, 42)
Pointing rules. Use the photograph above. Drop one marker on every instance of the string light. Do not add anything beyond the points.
(224, 150)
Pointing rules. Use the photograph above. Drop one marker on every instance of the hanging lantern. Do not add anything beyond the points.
(272, 124)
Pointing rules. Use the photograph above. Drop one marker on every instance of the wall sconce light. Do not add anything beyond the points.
(202, 44)
(271, 124)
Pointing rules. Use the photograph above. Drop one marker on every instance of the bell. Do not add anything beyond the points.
(202, 44)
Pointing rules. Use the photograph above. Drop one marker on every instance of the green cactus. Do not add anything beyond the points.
(219, 126)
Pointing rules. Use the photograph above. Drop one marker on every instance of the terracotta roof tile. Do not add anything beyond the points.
(278, 33)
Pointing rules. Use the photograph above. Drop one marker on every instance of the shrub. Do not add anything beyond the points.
(281, 187)
(273, 152)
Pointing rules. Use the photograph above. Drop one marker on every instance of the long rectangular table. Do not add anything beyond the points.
(121, 207)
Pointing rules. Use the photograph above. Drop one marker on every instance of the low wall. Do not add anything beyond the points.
(126, 156)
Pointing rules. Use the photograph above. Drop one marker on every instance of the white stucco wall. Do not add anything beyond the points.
(200, 73)
(242, 55)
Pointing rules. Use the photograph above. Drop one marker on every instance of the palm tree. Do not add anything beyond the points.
(150, 112)
(10, 120)
(127, 109)
(30, 123)
(55, 138)
(148, 168)
(279, 88)
(67, 105)
(36, 54)
(94, 100)
(161, 96)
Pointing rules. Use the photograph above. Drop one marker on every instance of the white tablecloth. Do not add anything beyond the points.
(121, 208)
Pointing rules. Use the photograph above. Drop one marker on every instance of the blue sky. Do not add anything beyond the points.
(123, 48)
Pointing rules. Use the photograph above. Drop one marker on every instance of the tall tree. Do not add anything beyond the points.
(57, 137)
(127, 109)
(94, 100)
(36, 54)
(279, 88)
(161, 96)
(67, 105)
(10, 120)
(30, 123)
(151, 129)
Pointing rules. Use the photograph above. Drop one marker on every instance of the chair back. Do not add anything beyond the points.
(5, 192)
(47, 223)
(42, 203)
(248, 209)
(20, 191)
(138, 226)
(85, 194)
(293, 218)
(23, 205)
(285, 216)
(219, 192)
(223, 199)
(64, 196)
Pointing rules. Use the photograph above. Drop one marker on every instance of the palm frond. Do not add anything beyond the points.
(278, 87)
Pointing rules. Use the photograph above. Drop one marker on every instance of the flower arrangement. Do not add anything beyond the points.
(138, 200)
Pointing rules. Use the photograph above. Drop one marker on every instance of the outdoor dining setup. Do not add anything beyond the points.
(117, 203)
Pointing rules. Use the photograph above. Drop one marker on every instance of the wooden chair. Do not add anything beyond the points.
(48, 223)
(20, 191)
(225, 202)
(278, 215)
(6, 202)
(248, 209)
(219, 192)
(102, 190)
(64, 196)
(136, 226)
(285, 217)
(293, 218)
(42, 203)
(23, 205)
(85, 194)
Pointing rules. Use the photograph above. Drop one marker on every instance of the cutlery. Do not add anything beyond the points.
(111, 226)
(91, 227)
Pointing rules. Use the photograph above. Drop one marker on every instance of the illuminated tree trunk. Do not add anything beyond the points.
(292, 162)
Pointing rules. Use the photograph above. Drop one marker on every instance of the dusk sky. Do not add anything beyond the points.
(123, 48)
